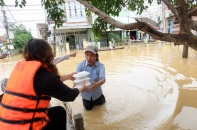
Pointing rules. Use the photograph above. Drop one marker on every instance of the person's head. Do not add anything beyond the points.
(39, 50)
(91, 54)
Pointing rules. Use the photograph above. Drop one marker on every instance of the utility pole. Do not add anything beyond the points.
(5, 21)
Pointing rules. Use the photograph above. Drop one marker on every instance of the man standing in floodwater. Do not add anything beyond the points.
(113, 42)
(93, 95)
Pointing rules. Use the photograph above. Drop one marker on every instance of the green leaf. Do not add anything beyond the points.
(20, 5)
(2, 3)
(21, 36)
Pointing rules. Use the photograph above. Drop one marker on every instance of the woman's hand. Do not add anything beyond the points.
(68, 76)
(83, 87)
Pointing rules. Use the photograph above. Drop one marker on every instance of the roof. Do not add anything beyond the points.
(74, 27)
(175, 29)
(176, 26)
(2, 38)
(149, 21)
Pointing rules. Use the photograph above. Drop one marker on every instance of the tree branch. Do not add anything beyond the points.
(179, 39)
(193, 24)
(171, 7)
(103, 16)
(192, 12)
(145, 27)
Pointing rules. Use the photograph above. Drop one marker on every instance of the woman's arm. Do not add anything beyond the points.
(60, 59)
(50, 84)
(64, 57)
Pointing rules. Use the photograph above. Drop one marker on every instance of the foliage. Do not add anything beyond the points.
(20, 40)
(96, 38)
(100, 26)
(54, 11)
(113, 8)
(110, 7)
(116, 37)
(21, 36)
(1, 2)
(19, 29)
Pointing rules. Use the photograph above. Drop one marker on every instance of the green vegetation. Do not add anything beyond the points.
(182, 10)
(21, 36)
(116, 37)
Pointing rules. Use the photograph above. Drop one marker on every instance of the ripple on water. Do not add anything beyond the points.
(141, 88)
(6, 69)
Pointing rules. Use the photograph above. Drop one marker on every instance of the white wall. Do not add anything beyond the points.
(75, 12)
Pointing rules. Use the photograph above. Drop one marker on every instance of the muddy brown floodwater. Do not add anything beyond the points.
(147, 88)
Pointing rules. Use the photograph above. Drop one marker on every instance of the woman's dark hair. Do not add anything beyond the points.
(97, 57)
(40, 50)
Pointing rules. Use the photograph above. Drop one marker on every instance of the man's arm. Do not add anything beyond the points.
(101, 76)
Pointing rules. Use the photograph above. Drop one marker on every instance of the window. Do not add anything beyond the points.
(81, 10)
(75, 9)
(69, 9)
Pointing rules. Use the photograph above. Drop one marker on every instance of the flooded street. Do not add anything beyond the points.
(147, 88)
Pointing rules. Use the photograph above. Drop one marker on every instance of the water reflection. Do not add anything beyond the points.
(186, 109)
(147, 87)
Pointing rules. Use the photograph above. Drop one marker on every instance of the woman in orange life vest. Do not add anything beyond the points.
(30, 87)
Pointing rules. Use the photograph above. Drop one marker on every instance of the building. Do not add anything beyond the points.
(77, 26)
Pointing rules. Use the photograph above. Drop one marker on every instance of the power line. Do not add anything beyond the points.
(1, 20)
(5, 22)
(28, 10)
(31, 20)
(25, 5)
(27, 13)
(12, 16)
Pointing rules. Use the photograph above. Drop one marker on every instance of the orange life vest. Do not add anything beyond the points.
(21, 108)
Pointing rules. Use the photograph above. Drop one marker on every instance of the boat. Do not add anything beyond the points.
(108, 49)
(3, 56)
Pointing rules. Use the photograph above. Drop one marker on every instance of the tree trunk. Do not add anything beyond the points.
(185, 51)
